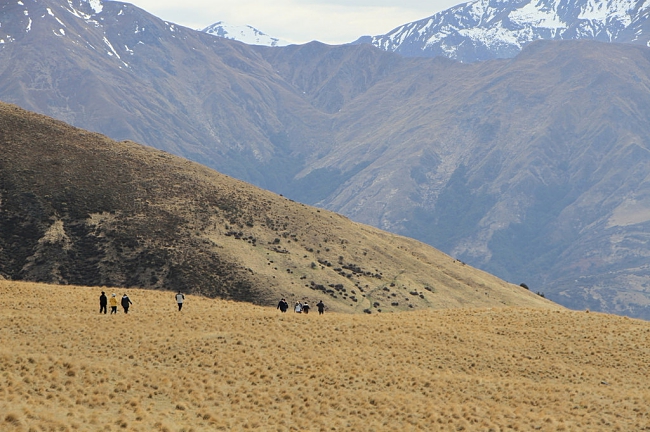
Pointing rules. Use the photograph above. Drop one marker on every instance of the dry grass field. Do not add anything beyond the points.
(221, 365)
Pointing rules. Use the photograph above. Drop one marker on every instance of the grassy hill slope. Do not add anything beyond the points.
(78, 208)
(223, 365)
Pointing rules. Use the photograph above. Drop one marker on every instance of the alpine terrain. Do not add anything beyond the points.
(488, 29)
(246, 34)
(533, 168)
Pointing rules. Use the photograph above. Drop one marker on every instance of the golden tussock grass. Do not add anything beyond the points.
(221, 365)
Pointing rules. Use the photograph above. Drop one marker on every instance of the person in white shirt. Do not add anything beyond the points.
(180, 298)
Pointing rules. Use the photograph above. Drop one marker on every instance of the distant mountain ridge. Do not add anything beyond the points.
(488, 29)
(246, 34)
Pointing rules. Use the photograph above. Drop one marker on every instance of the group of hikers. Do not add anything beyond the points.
(105, 301)
(126, 302)
(301, 307)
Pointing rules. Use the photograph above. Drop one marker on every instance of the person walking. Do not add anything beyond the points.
(180, 298)
(298, 307)
(305, 307)
(126, 302)
(283, 306)
(113, 302)
(321, 307)
(103, 301)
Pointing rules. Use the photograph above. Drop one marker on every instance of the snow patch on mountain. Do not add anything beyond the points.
(246, 34)
(538, 15)
(595, 10)
(96, 5)
(77, 13)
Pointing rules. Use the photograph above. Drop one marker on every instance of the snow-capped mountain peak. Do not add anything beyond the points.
(246, 34)
(485, 29)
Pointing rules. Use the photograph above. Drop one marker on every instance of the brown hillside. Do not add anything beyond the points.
(221, 365)
(79, 208)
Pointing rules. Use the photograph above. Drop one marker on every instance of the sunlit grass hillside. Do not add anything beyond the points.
(222, 365)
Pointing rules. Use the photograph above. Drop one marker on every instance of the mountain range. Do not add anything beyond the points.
(533, 168)
(489, 29)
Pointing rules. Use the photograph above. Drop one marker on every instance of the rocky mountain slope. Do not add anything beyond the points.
(78, 208)
(532, 168)
(488, 29)
(121, 71)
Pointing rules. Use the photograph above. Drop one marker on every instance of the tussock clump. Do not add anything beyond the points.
(12, 419)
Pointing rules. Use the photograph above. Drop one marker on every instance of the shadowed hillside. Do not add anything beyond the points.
(79, 208)
(221, 365)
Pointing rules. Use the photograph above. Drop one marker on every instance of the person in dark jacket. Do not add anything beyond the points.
(126, 302)
(103, 302)
(321, 307)
(283, 305)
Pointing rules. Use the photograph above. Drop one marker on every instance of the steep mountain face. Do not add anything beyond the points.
(120, 71)
(488, 29)
(533, 168)
(246, 34)
(78, 208)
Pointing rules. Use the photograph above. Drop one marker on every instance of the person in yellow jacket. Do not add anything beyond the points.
(113, 302)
